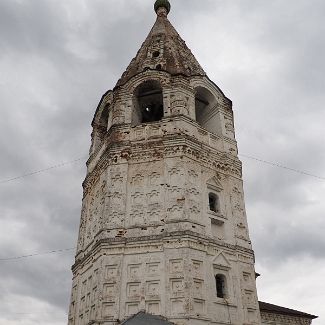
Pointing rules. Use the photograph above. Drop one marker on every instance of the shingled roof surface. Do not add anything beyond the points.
(163, 48)
(143, 318)
(274, 309)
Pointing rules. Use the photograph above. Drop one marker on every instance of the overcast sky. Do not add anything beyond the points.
(57, 58)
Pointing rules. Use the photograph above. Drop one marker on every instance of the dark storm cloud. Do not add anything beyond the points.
(58, 57)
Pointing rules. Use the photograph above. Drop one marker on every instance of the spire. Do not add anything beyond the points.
(163, 50)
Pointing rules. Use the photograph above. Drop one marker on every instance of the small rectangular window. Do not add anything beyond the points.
(213, 202)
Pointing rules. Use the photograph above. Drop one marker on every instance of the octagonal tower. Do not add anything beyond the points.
(163, 226)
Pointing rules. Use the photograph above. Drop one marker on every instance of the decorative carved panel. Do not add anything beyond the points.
(153, 268)
(134, 271)
(153, 288)
(153, 307)
(178, 306)
(132, 308)
(133, 289)
(108, 310)
(177, 286)
(176, 266)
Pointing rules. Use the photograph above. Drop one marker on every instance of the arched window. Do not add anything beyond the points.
(221, 286)
(105, 116)
(100, 124)
(148, 103)
(213, 202)
(206, 110)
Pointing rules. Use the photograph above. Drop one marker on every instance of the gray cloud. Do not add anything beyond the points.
(58, 58)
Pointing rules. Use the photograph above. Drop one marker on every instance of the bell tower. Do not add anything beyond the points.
(163, 227)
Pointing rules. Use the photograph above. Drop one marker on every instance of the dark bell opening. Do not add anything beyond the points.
(149, 103)
(152, 112)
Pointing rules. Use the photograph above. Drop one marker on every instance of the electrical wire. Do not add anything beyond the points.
(81, 158)
(36, 254)
(42, 170)
(274, 164)
(283, 167)
(34, 313)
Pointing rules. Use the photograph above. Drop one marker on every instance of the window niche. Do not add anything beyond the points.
(217, 229)
(147, 103)
(214, 196)
(221, 286)
(214, 210)
(214, 205)
(206, 111)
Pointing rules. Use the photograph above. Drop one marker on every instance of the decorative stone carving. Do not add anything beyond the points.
(198, 287)
(134, 271)
(109, 290)
(179, 104)
(132, 308)
(176, 266)
(111, 272)
(229, 128)
(133, 289)
(177, 286)
(153, 288)
(153, 307)
(178, 306)
(153, 268)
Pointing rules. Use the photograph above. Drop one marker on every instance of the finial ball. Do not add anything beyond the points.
(162, 3)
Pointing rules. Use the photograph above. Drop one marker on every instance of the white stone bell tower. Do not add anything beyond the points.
(163, 226)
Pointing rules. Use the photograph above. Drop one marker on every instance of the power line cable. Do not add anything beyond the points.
(282, 166)
(42, 170)
(79, 159)
(242, 155)
(36, 254)
(33, 313)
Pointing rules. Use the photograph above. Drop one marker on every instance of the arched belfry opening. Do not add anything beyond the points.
(104, 117)
(101, 124)
(148, 103)
(206, 110)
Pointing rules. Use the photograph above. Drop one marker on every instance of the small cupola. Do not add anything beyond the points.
(162, 4)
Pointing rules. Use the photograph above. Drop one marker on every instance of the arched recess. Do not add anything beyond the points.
(214, 190)
(148, 103)
(101, 123)
(206, 110)
(221, 271)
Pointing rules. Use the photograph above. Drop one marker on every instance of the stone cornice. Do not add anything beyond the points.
(171, 145)
(155, 240)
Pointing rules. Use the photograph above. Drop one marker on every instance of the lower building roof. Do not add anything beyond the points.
(274, 309)
(143, 318)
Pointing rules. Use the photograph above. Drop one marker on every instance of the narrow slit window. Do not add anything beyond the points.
(213, 202)
(221, 285)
